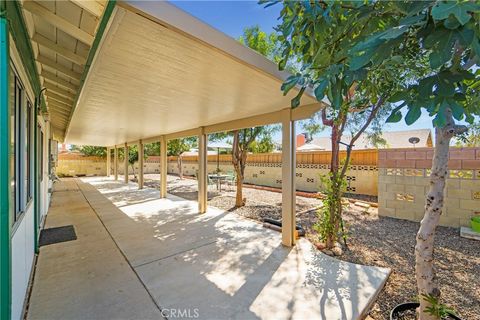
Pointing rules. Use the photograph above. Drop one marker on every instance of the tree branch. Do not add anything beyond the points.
(325, 120)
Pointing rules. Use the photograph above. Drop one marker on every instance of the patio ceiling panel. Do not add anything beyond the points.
(62, 33)
(152, 76)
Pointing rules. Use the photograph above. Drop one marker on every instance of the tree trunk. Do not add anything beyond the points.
(239, 157)
(180, 166)
(335, 188)
(133, 169)
(424, 269)
(239, 194)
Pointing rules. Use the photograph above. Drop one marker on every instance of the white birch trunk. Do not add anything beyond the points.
(424, 269)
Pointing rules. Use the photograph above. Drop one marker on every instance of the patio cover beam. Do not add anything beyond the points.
(50, 77)
(140, 164)
(115, 163)
(92, 7)
(288, 179)
(299, 113)
(163, 167)
(60, 68)
(109, 161)
(202, 172)
(58, 22)
(125, 164)
(67, 54)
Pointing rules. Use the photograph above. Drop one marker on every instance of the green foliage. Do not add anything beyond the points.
(91, 151)
(333, 187)
(447, 35)
(436, 308)
(265, 44)
(174, 147)
(177, 146)
(471, 138)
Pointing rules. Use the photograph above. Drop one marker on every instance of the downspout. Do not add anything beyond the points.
(5, 223)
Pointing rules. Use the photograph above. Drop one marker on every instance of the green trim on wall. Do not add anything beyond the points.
(19, 33)
(5, 223)
(93, 50)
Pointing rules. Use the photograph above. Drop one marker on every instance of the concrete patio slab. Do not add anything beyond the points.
(87, 278)
(223, 266)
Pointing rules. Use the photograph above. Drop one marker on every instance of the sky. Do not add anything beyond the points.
(231, 17)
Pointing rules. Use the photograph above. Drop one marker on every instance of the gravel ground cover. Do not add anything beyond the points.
(372, 240)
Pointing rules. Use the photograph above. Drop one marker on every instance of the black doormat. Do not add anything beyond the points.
(57, 235)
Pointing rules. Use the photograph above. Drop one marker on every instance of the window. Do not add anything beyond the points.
(13, 126)
(21, 165)
(40, 153)
(29, 151)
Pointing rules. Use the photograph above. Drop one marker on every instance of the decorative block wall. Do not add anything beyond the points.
(403, 181)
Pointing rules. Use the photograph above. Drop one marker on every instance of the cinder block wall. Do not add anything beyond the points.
(362, 179)
(403, 180)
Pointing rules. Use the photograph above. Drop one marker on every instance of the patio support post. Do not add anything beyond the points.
(125, 163)
(288, 179)
(109, 161)
(202, 172)
(115, 163)
(140, 164)
(163, 167)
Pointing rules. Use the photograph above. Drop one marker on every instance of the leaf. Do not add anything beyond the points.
(425, 86)
(399, 96)
(336, 95)
(459, 9)
(413, 20)
(445, 88)
(289, 84)
(359, 61)
(320, 89)
(395, 116)
(440, 119)
(457, 110)
(451, 23)
(414, 112)
(443, 41)
(296, 101)
(393, 33)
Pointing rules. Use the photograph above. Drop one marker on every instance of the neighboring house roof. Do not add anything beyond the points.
(394, 139)
(310, 147)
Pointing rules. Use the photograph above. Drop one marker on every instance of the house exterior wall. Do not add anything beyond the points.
(403, 181)
(22, 232)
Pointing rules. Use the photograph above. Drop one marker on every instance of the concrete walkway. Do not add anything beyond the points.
(212, 266)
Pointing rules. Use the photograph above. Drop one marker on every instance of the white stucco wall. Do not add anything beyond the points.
(22, 260)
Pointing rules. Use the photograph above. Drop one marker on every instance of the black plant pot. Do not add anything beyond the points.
(412, 306)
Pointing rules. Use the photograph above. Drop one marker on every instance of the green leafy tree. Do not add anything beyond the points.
(245, 140)
(91, 151)
(447, 35)
(322, 37)
(470, 138)
(436, 45)
(174, 148)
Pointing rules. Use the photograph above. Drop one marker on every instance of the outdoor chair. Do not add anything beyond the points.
(231, 179)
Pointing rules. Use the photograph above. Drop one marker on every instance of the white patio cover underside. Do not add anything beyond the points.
(160, 71)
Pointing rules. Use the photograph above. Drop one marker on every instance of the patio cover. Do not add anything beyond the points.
(159, 71)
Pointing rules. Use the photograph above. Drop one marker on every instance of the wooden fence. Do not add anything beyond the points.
(358, 157)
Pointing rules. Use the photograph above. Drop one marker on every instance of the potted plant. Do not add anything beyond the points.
(409, 310)
(475, 223)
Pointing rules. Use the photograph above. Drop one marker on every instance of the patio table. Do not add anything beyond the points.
(218, 178)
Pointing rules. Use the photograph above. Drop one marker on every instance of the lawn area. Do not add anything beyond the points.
(373, 240)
